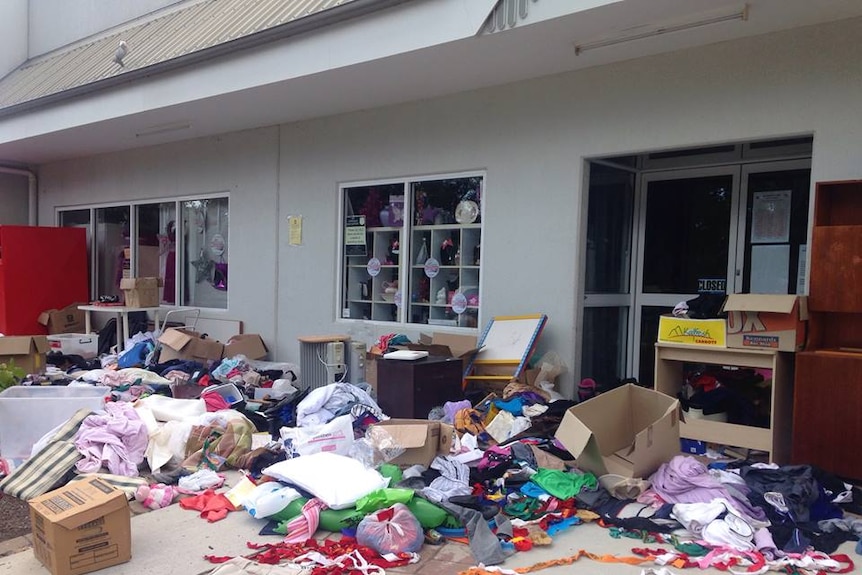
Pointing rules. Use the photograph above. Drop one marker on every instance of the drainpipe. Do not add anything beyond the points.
(32, 188)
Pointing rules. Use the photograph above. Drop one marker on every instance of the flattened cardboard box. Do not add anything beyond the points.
(766, 321)
(25, 351)
(82, 527)
(70, 319)
(629, 431)
(423, 440)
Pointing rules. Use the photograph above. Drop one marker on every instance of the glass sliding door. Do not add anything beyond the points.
(688, 240)
(608, 263)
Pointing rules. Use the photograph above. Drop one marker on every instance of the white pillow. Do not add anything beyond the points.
(335, 479)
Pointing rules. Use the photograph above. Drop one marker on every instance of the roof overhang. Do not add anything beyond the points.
(414, 50)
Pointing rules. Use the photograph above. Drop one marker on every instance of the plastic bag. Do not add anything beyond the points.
(268, 499)
(381, 498)
(376, 448)
(392, 530)
(333, 437)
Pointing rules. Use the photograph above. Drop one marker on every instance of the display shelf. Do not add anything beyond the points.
(775, 440)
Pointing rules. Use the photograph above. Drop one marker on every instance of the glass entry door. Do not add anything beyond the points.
(687, 242)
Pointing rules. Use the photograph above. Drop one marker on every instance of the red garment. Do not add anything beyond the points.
(215, 402)
(213, 506)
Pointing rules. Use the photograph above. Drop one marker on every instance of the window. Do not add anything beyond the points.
(183, 242)
(411, 251)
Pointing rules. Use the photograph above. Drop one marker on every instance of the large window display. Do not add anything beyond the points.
(411, 251)
(184, 242)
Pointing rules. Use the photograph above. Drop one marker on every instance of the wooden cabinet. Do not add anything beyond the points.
(775, 439)
(409, 389)
(828, 389)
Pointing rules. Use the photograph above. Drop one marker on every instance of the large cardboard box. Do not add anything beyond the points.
(248, 344)
(82, 527)
(24, 351)
(711, 332)
(141, 292)
(423, 440)
(184, 343)
(766, 321)
(70, 319)
(629, 431)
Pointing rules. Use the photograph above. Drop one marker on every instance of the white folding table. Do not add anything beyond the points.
(123, 317)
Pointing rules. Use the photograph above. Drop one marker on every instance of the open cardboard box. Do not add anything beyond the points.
(24, 351)
(628, 431)
(766, 321)
(424, 440)
(446, 345)
(184, 343)
(82, 527)
(70, 319)
(141, 292)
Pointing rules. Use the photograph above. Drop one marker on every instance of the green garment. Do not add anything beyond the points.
(562, 484)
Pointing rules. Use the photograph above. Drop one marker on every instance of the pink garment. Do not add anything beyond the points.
(304, 525)
(116, 439)
(684, 479)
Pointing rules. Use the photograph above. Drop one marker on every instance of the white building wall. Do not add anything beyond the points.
(531, 138)
(55, 23)
(245, 164)
(13, 35)
(14, 199)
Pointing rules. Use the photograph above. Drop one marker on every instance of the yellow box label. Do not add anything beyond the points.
(710, 332)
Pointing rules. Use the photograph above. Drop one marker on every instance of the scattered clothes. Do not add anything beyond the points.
(118, 439)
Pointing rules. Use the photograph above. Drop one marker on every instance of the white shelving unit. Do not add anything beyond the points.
(776, 439)
(366, 295)
(431, 297)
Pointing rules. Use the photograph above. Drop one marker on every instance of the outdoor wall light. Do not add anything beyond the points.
(741, 15)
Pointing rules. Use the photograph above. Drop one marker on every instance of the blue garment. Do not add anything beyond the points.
(555, 528)
(533, 490)
(514, 405)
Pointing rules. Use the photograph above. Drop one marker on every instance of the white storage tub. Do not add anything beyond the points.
(29, 412)
(87, 346)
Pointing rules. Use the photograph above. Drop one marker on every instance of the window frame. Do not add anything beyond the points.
(132, 205)
(406, 266)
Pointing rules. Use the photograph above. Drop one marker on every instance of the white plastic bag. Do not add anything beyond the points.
(333, 437)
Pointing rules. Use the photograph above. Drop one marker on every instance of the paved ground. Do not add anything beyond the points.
(173, 541)
(14, 518)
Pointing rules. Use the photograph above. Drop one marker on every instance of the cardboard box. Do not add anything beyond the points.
(24, 351)
(710, 332)
(766, 321)
(70, 319)
(87, 346)
(629, 431)
(248, 344)
(446, 345)
(184, 343)
(141, 292)
(423, 439)
(82, 527)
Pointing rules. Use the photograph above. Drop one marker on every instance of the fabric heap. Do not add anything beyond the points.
(118, 440)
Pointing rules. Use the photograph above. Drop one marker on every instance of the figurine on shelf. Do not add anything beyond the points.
(441, 296)
(448, 249)
(394, 249)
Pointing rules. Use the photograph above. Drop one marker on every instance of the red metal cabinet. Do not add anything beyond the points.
(40, 268)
